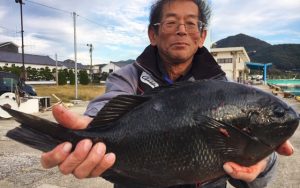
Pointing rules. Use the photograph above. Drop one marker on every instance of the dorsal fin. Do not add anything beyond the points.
(116, 108)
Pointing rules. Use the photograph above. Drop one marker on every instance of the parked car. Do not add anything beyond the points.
(9, 82)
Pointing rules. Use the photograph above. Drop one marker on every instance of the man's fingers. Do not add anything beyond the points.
(69, 119)
(247, 174)
(286, 149)
(107, 162)
(76, 157)
(93, 159)
(56, 156)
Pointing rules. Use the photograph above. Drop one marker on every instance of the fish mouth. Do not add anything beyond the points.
(280, 134)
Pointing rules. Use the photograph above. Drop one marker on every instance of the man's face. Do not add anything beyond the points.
(178, 46)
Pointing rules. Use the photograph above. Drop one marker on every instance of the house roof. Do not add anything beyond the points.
(100, 65)
(7, 43)
(28, 59)
(123, 63)
(16, 58)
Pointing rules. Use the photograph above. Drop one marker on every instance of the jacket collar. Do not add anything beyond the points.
(204, 65)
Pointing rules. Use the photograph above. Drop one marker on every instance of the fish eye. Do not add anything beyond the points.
(279, 111)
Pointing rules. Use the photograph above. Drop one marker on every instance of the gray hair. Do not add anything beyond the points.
(156, 11)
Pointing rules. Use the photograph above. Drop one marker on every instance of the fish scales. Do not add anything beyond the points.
(181, 134)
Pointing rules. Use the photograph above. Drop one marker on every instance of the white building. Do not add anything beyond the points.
(232, 61)
(113, 66)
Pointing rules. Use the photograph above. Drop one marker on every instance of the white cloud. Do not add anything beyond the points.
(109, 23)
(118, 28)
(256, 17)
(2, 12)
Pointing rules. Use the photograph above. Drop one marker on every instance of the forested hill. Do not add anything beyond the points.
(283, 56)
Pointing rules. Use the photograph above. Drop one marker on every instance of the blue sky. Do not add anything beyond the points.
(118, 28)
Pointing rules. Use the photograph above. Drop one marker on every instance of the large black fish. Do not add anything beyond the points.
(180, 134)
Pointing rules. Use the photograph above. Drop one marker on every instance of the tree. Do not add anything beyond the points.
(83, 77)
(71, 77)
(34, 74)
(62, 79)
(15, 69)
(6, 69)
(29, 73)
(66, 71)
(46, 74)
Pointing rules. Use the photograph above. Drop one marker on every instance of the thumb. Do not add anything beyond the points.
(286, 148)
(69, 119)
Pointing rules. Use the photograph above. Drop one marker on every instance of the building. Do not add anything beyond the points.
(113, 66)
(34, 61)
(233, 62)
(9, 56)
(97, 69)
(9, 47)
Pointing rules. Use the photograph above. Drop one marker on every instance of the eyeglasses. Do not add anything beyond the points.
(172, 26)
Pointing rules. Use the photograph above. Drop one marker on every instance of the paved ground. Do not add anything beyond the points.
(20, 167)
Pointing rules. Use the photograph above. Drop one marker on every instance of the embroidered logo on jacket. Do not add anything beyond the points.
(146, 78)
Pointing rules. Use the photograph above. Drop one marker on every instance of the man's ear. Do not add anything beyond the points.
(202, 38)
(152, 36)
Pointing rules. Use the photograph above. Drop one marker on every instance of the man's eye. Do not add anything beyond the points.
(191, 23)
(170, 23)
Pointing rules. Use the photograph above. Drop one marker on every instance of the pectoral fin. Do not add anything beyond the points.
(229, 141)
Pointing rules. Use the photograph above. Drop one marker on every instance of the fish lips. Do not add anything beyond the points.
(275, 134)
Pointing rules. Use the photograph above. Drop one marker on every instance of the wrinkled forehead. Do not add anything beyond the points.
(180, 9)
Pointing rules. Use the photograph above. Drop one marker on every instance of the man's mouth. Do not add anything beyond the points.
(180, 44)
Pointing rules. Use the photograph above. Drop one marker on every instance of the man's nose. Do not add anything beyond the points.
(181, 29)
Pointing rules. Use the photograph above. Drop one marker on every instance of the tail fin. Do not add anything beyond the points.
(33, 138)
(38, 133)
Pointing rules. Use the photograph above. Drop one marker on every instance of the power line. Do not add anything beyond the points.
(57, 9)
(68, 12)
(7, 29)
(89, 20)
(111, 28)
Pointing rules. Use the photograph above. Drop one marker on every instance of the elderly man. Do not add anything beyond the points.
(177, 31)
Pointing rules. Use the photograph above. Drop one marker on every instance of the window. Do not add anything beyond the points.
(224, 60)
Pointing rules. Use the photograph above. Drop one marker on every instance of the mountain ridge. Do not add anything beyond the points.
(283, 56)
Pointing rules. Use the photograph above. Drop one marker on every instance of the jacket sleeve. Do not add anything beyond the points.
(123, 81)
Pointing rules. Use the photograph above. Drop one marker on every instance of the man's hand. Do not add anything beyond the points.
(86, 160)
(249, 174)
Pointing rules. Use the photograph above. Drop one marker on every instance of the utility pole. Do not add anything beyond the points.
(23, 74)
(75, 56)
(56, 72)
(91, 58)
